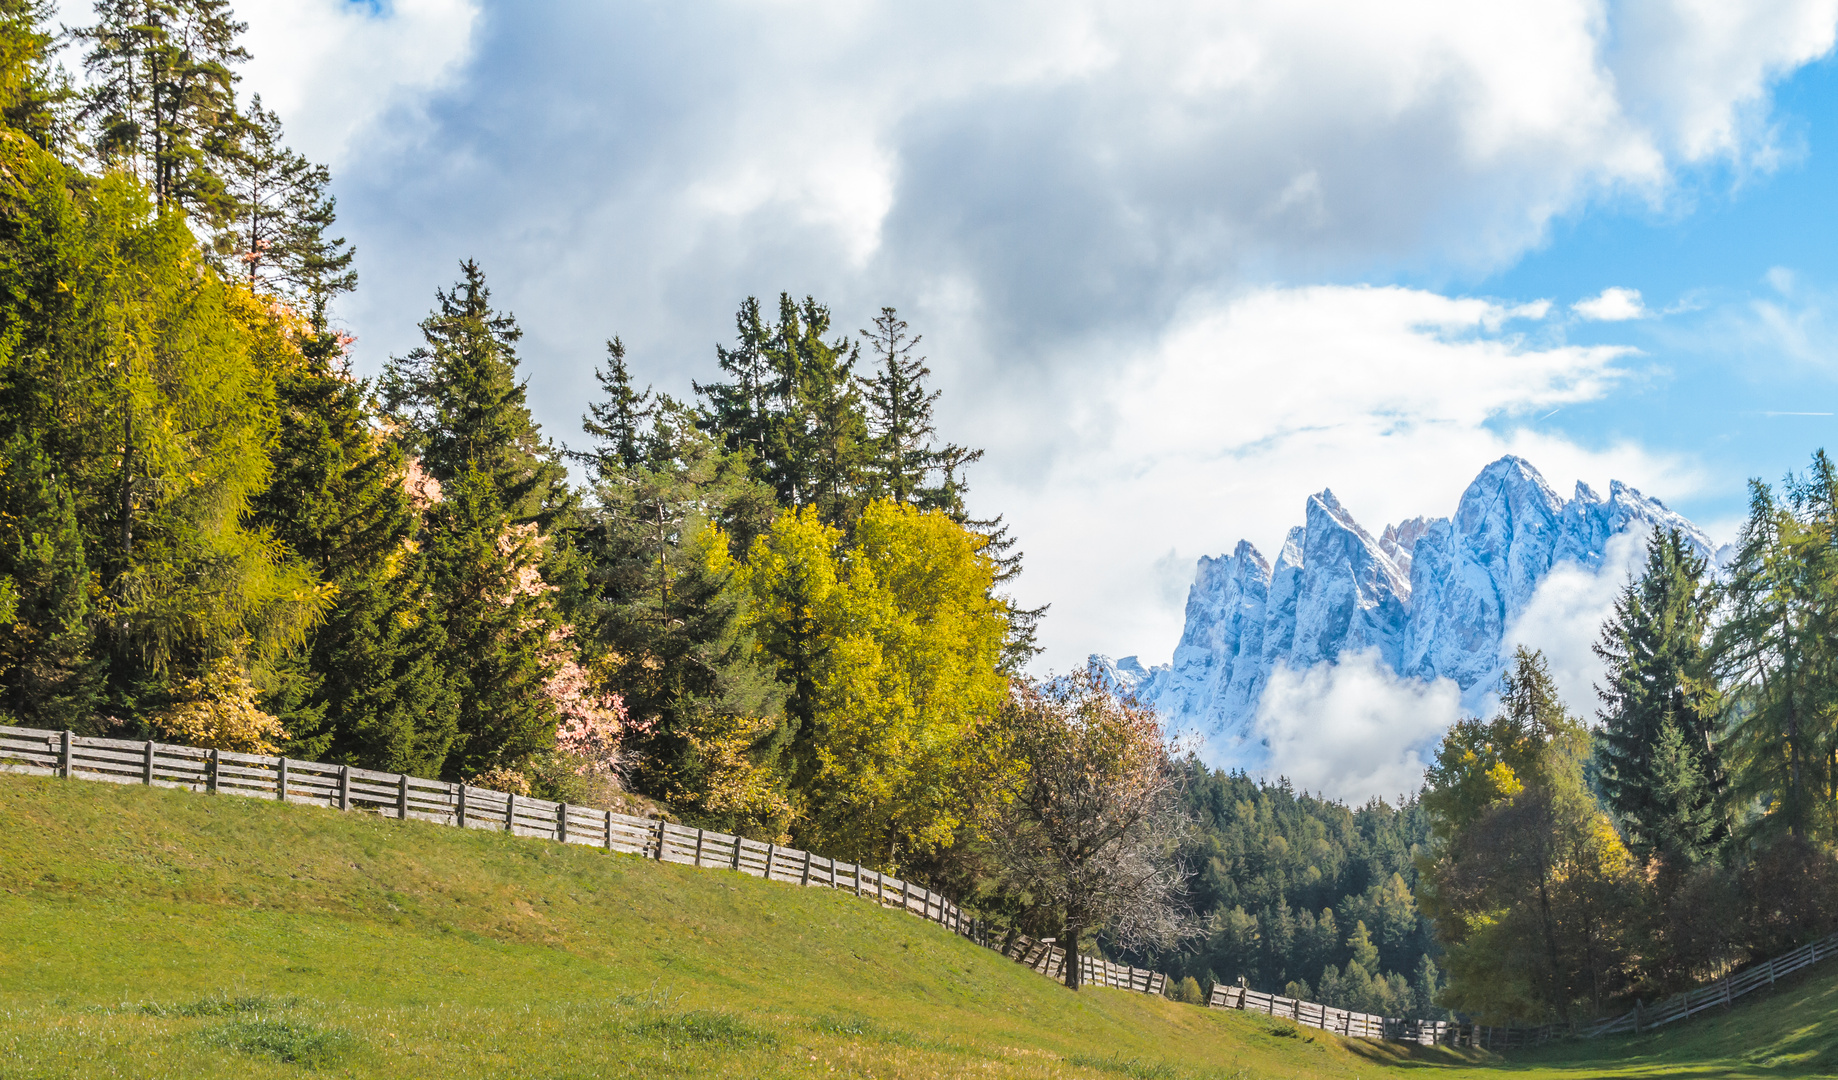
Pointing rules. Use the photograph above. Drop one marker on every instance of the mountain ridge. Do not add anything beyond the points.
(1431, 597)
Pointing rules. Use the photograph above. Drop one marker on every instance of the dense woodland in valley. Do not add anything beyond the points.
(768, 609)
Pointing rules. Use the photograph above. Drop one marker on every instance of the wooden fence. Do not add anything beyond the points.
(344, 787)
(1721, 992)
(1359, 1025)
(122, 761)
(1050, 960)
(1430, 1032)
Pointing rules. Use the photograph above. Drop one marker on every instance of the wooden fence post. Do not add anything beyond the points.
(806, 879)
(401, 796)
(146, 776)
(770, 850)
(63, 763)
(736, 865)
(510, 812)
(561, 822)
(210, 779)
(661, 837)
(280, 778)
(609, 830)
(344, 787)
(699, 841)
(459, 808)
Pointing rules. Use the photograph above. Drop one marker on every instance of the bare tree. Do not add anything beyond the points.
(1094, 818)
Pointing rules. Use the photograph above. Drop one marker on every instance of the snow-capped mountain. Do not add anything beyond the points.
(1433, 598)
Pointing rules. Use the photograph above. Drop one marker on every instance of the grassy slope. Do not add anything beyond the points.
(156, 933)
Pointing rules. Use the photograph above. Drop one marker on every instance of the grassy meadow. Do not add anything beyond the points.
(151, 933)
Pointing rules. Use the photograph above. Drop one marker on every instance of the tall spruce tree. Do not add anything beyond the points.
(1657, 751)
(162, 98)
(794, 407)
(48, 675)
(463, 408)
(493, 559)
(659, 540)
(368, 688)
(744, 415)
(278, 239)
(1777, 654)
(616, 422)
(900, 417)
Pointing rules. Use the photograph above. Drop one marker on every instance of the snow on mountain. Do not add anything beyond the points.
(1426, 599)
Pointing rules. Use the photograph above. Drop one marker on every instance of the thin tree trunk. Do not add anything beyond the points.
(1069, 940)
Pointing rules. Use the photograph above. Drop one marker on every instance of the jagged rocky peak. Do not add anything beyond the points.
(1399, 541)
(1124, 675)
(1433, 597)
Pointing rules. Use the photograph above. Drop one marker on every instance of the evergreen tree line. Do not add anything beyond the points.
(767, 607)
(1693, 829)
(1306, 896)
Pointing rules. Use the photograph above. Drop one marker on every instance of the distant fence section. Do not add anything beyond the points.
(1359, 1025)
(1049, 959)
(1721, 992)
(344, 787)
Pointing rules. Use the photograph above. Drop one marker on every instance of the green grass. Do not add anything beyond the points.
(150, 933)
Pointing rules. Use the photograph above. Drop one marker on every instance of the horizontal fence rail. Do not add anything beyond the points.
(1358, 1025)
(34, 751)
(1719, 992)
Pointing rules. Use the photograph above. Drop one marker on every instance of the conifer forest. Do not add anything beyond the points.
(768, 607)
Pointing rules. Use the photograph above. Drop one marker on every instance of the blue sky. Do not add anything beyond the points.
(1725, 378)
(1178, 265)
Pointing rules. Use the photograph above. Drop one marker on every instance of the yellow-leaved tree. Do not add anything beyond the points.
(891, 643)
(1534, 895)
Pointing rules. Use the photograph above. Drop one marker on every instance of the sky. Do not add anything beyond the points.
(1178, 265)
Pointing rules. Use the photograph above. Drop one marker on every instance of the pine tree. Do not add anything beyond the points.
(745, 415)
(659, 541)
(496, 566)
(162, 98)
(1658, 687)
(48, 677)
(616, 422)
(498, 615)
(794, 408)
(1425, 985)
(463, 409)
(827, 442)
(1777, 654)
(900, 413)
(278, 238)
(368, 688)
(34, 96)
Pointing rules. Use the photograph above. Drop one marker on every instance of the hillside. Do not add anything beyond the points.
(162, 933)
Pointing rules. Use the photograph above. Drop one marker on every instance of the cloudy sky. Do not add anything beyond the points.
(1178, 265)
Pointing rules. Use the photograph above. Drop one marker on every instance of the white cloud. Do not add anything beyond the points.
(335, 69)
(1393, 397)
(1077, 168)
(1353, 730)
(1613, 305)
(1565, 616)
